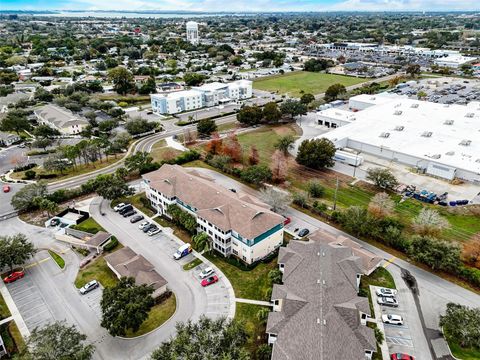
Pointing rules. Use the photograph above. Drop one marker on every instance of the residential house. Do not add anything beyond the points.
(61, 119)
(126, 262)
(238, 224)
(317, 313)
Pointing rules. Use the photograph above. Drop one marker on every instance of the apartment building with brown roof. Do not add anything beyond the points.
(238, 224)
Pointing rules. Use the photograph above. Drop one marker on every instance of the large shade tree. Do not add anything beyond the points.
(15, 250)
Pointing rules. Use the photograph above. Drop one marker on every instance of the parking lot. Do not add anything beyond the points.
(29, 299)
(445, 90)
(399, 338)
(92, 300)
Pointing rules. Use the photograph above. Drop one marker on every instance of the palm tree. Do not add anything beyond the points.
(285, 143)
(262, 314)
(202, 242)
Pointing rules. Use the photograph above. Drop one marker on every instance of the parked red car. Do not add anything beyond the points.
(14, 276)
(209, 281)
(400, 356)
(6, 188)
(287, 221)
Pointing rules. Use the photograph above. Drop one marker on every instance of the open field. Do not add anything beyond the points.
(4, 312)
(248, 284)
(464, 354)
(96, 270)
(310, 82)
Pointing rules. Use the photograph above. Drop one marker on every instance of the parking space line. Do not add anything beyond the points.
(37, 263)
(36, 314)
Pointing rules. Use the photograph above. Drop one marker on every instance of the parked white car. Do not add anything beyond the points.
(386, 292)
(89, 287)
(119, 207)
(392, 319)
(143, 224)
(206, 273)
(153, 231)
(387, 301)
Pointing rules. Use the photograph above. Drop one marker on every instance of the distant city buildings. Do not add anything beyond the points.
(211, 94)
(237, 224)
(192, 32)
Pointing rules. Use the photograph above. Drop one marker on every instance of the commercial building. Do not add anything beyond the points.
(437, 139)
(317, 313)
(126, 262)
(61, 119)
(7, 139)
(454, 61)
(211, 94)
(192, 32)
(237, 224)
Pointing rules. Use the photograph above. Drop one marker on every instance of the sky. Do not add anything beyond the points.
(244, 5)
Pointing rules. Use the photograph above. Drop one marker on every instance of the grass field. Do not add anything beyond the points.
(310, 82)
(4, 312)
(247, 313)
(192, 264)
(157, 316)
(462, 353)
(162, 152)
(264, 140)
(58, 259)
(89, 225)
(253, 284)
(96, 270)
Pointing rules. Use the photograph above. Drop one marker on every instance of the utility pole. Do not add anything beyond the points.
(335, 196)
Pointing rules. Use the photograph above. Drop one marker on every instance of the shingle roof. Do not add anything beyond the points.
(227, 210)
(128, 263)
(319, 317)
(61, 118)
(99, 238)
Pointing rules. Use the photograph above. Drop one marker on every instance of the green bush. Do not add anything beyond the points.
(29, 175)
(112, 244)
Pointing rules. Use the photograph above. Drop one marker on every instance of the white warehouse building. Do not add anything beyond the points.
(211, 94)
(437, 139)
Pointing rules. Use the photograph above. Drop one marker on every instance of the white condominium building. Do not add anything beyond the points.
(192, 32)
(237, 224)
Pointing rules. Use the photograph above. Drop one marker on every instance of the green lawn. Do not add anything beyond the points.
(461, 353)
(264, 140)
(192, 264)
(157, 316)
(162, 152)
(310, 82)
(178, 231)
(253, 284)
(89, 225)
(4, 312)
(96, 270)
(58, 259)
(247, 313)
(380, 277)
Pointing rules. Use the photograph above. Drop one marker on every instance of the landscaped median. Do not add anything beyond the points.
(58, 259)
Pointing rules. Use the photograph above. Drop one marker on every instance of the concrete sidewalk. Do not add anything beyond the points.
(253, 302)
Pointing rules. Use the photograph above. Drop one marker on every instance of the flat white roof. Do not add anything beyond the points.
(177, 94)
(337, 114)
(455, 131)
(376, 99)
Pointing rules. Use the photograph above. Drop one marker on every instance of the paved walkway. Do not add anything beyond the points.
(22, 327)
(253, 302)
(6, 320)
(171, 142)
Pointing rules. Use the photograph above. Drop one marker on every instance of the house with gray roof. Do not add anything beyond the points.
(126, 262)
(61, 119)
(237, 223)
(7, 139)
(317, 313)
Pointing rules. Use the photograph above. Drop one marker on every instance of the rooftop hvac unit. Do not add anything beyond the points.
(470, 115)
(414, 106)
(385, 135)
(399, 128)
(450, 153)
(436, 156)
(465, 142)
(448, 122)
(477, 161)
(427, 134)
(397, 112)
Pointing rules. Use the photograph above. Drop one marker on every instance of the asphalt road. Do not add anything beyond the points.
(47, 293)
(434, 292)
(144, 144)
